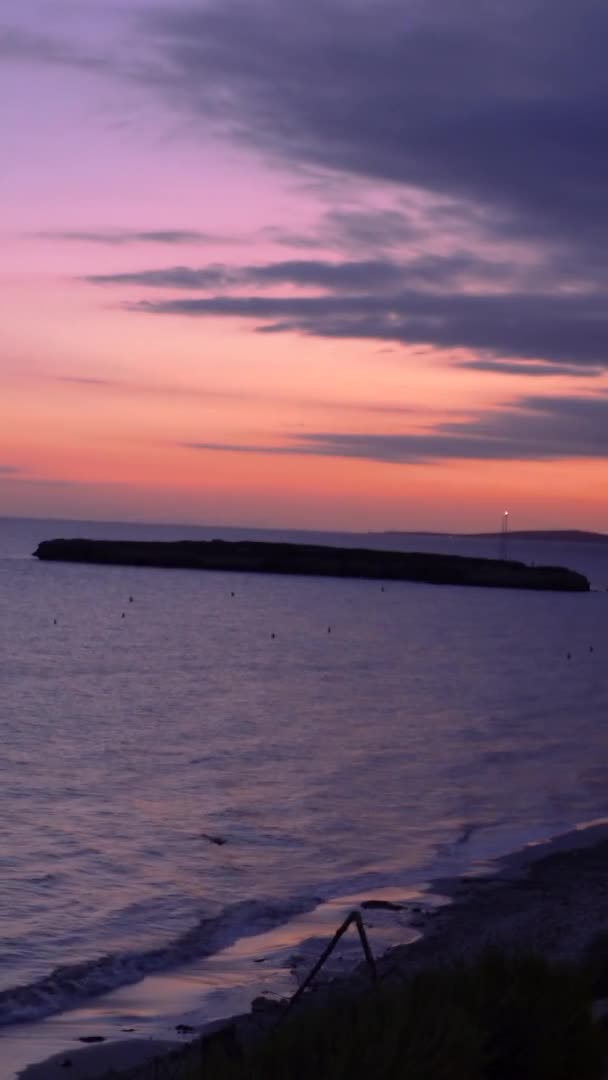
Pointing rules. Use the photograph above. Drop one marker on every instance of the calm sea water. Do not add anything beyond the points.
(381, 737)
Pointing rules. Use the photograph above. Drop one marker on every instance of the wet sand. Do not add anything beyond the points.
(552, 898)
(91, 1062)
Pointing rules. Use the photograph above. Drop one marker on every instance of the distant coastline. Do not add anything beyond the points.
(583, 536)
(315, 560)
(564, 535)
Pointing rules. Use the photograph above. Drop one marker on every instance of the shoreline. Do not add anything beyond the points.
(550, 897)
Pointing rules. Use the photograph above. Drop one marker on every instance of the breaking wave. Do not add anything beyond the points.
(67, 986)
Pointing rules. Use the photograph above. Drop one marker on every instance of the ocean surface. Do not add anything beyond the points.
(385, 735)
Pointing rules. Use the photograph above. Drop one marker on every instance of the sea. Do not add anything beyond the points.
(202, 773)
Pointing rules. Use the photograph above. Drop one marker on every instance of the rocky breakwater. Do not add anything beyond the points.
(315, 560)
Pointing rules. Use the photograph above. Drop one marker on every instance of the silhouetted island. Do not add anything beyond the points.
(315, 560)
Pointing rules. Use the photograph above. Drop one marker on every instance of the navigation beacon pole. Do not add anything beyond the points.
(504, 535)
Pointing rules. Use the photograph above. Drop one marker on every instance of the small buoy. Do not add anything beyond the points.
(54, 622)
(382, 588)
(272, 635)
(232, 594)
(329, 629)
(123, 615)
(591, 648)
(130, 599)
(568, 656)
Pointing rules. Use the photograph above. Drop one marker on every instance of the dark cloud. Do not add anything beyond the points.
(19, 44)
(243, 448)
(485, 120)
(369, 229)
(498, 105)
(514, 367)
(87, 380)
(354, 230)
(441, 301)
(534, 428)
(563, 329)
(22, 44)
(368, 275)
(121, 237)
(498, 109)
(276, 234)
(171, 277)
(482, 119)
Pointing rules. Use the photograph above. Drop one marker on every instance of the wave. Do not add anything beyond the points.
(66, 987)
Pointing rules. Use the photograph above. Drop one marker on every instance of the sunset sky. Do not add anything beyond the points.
(334, 264)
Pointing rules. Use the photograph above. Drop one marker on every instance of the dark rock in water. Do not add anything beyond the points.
(219, 840)
(260, 960)
(386, 905)
(184, 1029)
(67, 1064)
(314, 559)
(264, 1004)
(92, 1038)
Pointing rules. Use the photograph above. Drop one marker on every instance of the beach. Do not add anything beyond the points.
(550, 898)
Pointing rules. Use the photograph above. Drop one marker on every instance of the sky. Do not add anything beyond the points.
(339, 264)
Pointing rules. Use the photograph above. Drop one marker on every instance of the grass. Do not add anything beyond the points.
(502, 1017)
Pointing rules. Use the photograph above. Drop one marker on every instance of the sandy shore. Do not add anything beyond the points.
(91, 1062)
(552, 898)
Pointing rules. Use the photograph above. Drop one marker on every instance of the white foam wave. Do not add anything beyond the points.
(67, 986)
